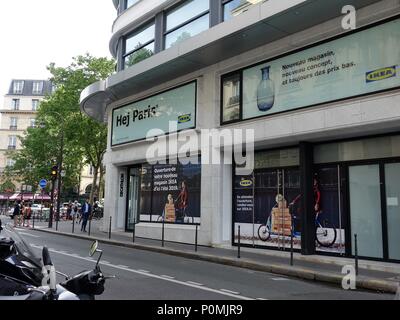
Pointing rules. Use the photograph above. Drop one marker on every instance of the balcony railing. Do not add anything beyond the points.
(12, 147)
(13, 128)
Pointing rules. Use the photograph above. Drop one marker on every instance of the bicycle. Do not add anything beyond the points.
(325, 234)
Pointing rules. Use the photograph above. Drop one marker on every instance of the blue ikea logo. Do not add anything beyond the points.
(185, 118)
(381, 74)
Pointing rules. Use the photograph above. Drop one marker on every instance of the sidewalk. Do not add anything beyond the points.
(377, 276)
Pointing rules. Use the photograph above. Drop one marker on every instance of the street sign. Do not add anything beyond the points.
(43, 183)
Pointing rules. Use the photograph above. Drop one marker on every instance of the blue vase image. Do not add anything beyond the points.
(265, 91)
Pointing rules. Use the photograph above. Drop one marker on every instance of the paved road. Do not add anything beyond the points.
(143, 275)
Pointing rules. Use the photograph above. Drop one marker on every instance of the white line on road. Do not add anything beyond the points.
(167, 277)
(229, 291)
(261, 299)
(237, 296)
(195, 283)
(29, 235)
(122, 266)
(280, 279)
(144, 271)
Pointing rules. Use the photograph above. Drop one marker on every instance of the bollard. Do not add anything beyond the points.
(73, 224)
(33, 221)
(196, 238)
(356, 253)
(163, 233)
(90, 226)
(134, 232)
(109, 229)
(239, 243)
(57, 224)
(291, 244)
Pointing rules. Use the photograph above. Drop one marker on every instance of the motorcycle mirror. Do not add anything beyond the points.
(93, 248)
(46, 257)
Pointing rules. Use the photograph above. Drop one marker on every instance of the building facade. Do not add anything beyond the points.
(18, 114)
(323, 101)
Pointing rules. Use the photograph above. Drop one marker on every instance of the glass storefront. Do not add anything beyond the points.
(265, 201)
(355, 193)
(165, 193)
(365, 195)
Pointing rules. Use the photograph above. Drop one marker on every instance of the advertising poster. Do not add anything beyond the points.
(171, 193)
(364, 62)
(134, 121)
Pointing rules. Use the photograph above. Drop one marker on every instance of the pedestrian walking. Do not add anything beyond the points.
(86, 211)
(69, 211)
(16, 214)
(28, 214)
(75, 212)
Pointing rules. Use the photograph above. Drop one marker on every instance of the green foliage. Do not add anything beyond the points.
(63, 132)
(7, 186)
(138, 56)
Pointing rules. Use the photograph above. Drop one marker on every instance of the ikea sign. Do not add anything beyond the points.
(381, 74)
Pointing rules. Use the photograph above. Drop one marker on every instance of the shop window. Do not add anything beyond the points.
(231, 98)
(372, 148)
(169, 193)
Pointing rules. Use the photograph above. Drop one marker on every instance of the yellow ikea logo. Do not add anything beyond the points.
(246, 183)
(381, 74)
(185, 118)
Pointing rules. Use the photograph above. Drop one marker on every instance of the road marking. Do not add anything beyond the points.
(195, 283)
(229, 291)
(280, 279)
(29, 235)
(144, 271)
(122, 266)
(167, 277)
(105, 262)
(229, 294)
(261, 299)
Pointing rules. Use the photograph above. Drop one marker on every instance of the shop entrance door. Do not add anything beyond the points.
(133, 199)
(366, 210)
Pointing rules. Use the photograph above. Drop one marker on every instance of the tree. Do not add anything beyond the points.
(63, 131)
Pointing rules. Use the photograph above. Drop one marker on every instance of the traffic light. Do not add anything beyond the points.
(54, 172)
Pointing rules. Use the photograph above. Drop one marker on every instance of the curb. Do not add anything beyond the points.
(295, 272)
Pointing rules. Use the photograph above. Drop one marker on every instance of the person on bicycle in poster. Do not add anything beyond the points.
(317, 196)
(182, 202)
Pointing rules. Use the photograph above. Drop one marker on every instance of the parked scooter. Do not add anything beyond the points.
(23, 276)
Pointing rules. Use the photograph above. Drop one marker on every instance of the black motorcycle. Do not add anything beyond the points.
(23, 276)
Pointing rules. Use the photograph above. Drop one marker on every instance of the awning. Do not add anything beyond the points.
(44, 197)
(25, 196)
(5, 196)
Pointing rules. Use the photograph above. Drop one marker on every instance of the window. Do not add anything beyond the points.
(15, 104)
(139, 45)
(37, 87)
(185, 21)
(10, 162)
(232, 8)
(231, 98)
(35, 104)
(32, 123)
(91, 171)
(130, 3)
(13, 123)
(12, 142)
(18, 87)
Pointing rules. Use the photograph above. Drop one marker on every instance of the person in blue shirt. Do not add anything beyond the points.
(86, 212)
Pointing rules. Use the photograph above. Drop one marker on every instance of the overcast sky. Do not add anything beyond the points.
(34, 33)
